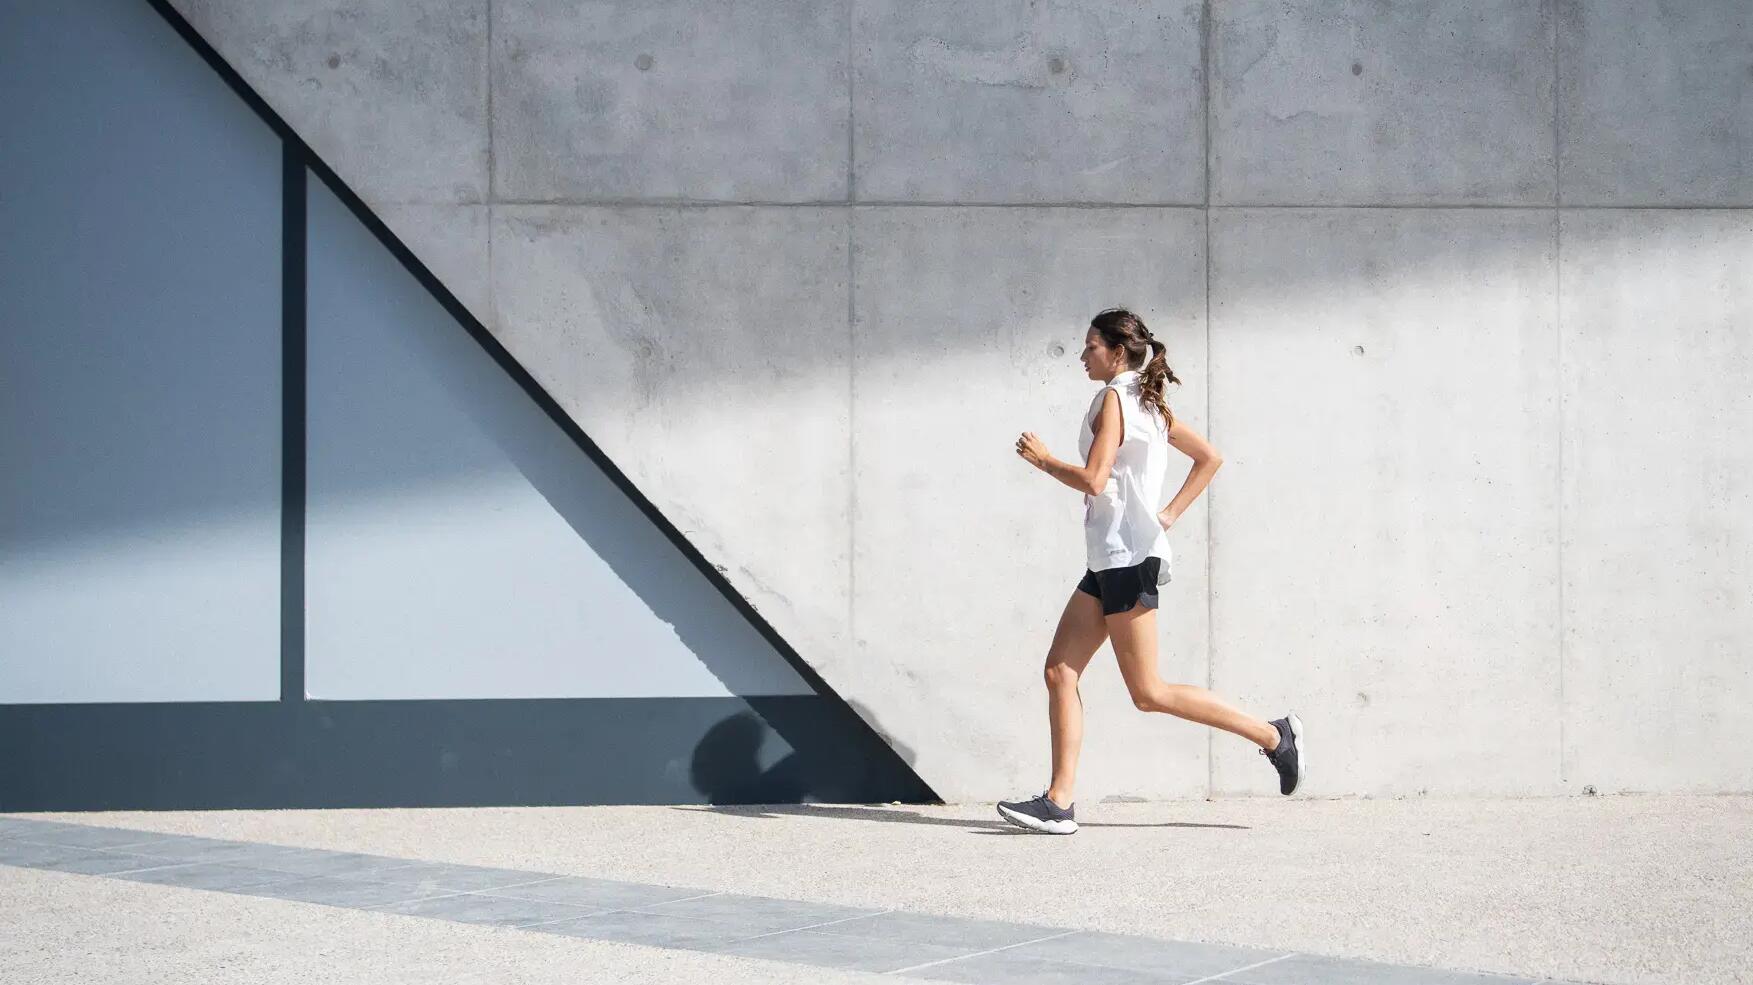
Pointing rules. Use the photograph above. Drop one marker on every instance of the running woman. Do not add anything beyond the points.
(1125, 441)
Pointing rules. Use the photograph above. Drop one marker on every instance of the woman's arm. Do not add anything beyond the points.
(1206, 461)
(1090, 477)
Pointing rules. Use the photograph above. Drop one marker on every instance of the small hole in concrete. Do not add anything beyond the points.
(1357, 350)
(1056, 350)
(643, 62)
(1357, 68)
(334, 61)
(1056, 65)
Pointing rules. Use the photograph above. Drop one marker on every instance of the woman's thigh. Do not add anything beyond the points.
(1081, 632)
(1134, 633)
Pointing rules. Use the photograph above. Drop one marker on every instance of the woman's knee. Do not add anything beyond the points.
(1159, 698)
(1058, 675)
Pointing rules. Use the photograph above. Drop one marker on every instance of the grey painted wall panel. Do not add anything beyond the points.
(670, 99)
(1658, 559)
(1317, 102)
(1060, 101)
(459, 545)
(139, 367)
(1384, 530)
(1656, 102)
(418, 69)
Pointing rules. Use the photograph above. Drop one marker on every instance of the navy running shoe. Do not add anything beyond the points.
(1291, 757)
(1039, 814)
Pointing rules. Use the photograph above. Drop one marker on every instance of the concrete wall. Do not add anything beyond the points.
(1459, 289)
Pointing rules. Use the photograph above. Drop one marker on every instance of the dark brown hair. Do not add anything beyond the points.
(1121, 329)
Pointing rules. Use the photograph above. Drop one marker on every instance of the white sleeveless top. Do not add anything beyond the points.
(1120, 525)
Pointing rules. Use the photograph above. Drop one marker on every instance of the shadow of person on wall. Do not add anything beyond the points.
(726, 766)
(816, 755)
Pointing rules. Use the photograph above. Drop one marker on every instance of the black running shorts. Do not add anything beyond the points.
(1122, 588)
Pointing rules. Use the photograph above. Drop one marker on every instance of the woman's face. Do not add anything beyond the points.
(1099, 361)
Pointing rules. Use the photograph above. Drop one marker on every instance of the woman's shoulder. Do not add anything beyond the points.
(1101, 395)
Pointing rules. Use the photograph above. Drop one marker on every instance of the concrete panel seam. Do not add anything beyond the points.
(851, 336)
(488, 88)
(852, 370)
(1205, 87)
(1558, 368)
(841, 202)
(1558, 344)
(851, 436)
(1427, 207)
(1231, 206)
(1205, 29)
(492, 182)
(1557, 120)
(1394, 206)
(851, 105)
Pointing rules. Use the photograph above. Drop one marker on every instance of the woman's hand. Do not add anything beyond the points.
(1165, 519)
(1032, 449)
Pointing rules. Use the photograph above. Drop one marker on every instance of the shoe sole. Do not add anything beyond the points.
(1035, 823)
(1302, 753)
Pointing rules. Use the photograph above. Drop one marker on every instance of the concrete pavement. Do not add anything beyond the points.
(1616, 889)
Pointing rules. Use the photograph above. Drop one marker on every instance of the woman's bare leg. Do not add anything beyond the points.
(1080, 634)
(1135, 644)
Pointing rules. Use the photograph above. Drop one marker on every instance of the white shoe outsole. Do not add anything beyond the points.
(1036, 824)
(1302, 752)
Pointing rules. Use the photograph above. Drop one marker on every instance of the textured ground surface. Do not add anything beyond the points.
(1619, 889)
